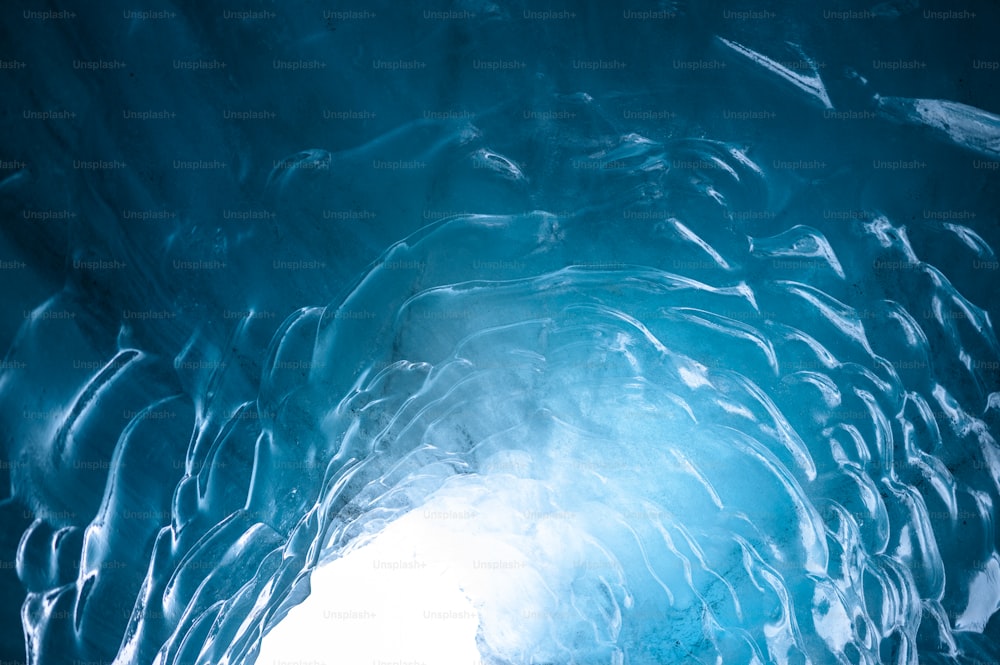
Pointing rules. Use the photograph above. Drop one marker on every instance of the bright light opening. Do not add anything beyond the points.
(485, 566)
(393, 601)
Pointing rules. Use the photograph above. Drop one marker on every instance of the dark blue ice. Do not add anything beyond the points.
(700, 294)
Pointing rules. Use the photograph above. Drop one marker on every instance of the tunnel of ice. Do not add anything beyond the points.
(630, 387)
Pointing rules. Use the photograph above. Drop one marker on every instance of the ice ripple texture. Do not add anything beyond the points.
(719, 411)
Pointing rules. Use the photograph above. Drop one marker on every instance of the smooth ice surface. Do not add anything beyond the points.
(616, 334)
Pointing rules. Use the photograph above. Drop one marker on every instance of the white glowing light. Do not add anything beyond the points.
(470, 561)
(393, 601)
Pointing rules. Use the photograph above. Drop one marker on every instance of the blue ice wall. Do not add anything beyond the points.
(716, 281)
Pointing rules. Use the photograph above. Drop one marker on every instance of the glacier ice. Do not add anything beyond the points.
(358, 344)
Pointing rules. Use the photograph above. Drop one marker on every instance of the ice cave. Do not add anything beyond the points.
(472, 332)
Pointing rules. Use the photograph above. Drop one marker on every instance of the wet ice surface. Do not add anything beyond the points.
(686, 359)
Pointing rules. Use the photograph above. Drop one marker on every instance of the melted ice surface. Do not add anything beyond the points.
(536, 363)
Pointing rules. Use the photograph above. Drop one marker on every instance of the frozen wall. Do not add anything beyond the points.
(674, 320)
